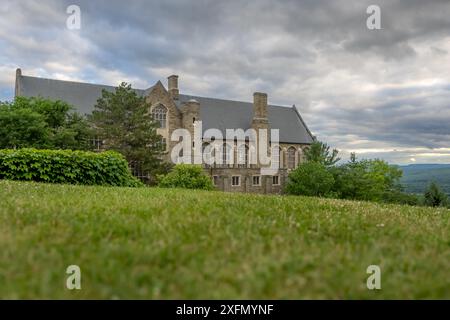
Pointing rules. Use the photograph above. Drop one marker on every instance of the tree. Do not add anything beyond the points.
(320, 152)
(434, 197)
(42, 123)
(22, 128)
(186, 176)
(123, 120)
(310, 179)
(366, 179)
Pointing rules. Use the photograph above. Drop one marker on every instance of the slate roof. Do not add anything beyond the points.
(214, 113)
(82, 96)
(222, 114)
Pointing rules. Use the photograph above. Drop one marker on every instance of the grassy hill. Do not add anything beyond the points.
(162, 243)
(417, 177)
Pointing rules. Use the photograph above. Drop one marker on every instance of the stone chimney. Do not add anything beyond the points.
(260, 120)
(259, 105)
(18, 87)
(173, 86)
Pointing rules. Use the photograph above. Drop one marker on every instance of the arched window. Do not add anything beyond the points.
(159, 114)
(226, 154)
(208, 153)
(243, 155)
(276, 157)
(300, 155)
(291, 158)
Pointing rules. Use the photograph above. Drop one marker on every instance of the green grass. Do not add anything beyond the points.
(167, 243)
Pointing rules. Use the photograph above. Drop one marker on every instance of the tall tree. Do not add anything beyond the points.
(123, 120)
(320, 152)
(434, 197)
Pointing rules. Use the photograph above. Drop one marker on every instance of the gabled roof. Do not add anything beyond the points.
(214, 113)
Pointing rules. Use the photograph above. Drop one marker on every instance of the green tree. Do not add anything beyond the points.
(434, 197)
(22, 128)
(42, 123)
(366, 179)
(123, 120)
(320, 152)
(186, 176)
(310, 179)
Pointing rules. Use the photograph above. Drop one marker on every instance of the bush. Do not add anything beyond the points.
(400, 197)
(310, 179)
(434, 197)
(66, 166)
(186, 176)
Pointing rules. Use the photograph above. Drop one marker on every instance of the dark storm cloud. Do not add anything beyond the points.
(356, 88)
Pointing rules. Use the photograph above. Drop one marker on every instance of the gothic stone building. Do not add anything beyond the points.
(175, 110)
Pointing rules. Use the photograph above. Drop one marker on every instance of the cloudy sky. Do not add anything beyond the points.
(381, 93)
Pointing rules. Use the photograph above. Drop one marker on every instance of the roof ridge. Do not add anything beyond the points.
(222, 99)
(80, 82)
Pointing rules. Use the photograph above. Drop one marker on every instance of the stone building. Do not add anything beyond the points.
(174, 110)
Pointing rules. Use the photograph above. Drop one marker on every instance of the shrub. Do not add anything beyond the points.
(434, 197)
(399, 197)
(66, 166)
(186, 176)
(310, 179)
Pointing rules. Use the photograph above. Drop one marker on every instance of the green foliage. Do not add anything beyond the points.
(66, 166)
(42, 123)
(22, 128)
(399, 197)
(434, 197)
(123, 120)
(310, 179)
(366, 179)
(186, 176)
(320, 152)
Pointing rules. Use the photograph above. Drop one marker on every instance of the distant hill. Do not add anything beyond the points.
(416, 177)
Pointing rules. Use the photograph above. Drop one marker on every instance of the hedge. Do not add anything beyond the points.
(66, 166)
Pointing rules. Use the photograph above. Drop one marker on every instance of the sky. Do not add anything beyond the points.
(382, 93)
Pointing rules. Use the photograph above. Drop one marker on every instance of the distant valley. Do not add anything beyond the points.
(417, 177)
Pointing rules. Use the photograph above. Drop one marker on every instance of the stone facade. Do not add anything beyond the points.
(226, 177)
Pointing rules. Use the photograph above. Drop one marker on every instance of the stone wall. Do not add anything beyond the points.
(225, 175)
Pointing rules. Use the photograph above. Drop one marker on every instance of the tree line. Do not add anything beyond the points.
(367, 179)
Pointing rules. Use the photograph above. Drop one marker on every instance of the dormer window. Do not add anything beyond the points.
(159, 114)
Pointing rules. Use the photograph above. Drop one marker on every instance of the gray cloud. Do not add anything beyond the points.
(358, 89)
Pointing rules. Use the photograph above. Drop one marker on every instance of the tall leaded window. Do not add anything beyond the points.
(291, 157)
(159, 114)
(226, 154)
(276, 157)
(242, 155)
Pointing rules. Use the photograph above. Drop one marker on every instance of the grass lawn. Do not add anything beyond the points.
(167, 243)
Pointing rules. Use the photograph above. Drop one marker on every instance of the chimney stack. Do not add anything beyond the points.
(260, 105)
(173, 86)
(18, 87)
